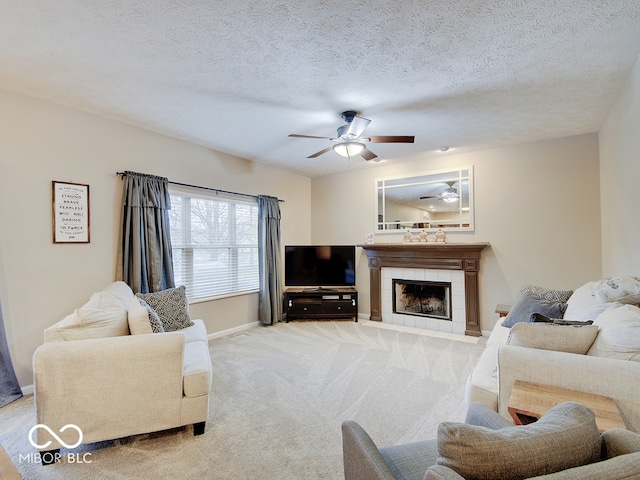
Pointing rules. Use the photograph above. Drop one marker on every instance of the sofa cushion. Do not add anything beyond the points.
(526, 305)
(549, 336)
(545, 293)
(102, 316)
(197, 332)
(196, 369)
(482, 384)
(582, 305)
(623, 289)
(142, 318)
(172, 307)
(619, 335)
(565, 437)
(121, 291)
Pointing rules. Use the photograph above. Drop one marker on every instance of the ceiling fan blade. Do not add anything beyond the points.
(357, 126)
(317, 154)
(307, 136)
(392, 139)
(368, 154)
(430, 196)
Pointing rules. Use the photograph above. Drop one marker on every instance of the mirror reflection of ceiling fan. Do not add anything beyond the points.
(350, 141)
(449, 195)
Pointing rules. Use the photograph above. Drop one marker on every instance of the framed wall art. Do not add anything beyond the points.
(70, 212)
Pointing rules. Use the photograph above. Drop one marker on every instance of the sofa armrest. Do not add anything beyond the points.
(617, 379)
(109, 387)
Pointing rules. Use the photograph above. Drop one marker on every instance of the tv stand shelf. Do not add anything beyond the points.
(320, 303)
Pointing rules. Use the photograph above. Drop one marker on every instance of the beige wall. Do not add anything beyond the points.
(619, 178)
(41, 282)
(536, 204)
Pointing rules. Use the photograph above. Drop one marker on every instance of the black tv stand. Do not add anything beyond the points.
(320, 303)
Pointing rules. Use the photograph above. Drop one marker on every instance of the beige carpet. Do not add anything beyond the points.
(279, 396)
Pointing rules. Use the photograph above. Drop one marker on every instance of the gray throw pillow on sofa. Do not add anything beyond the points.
(526, 305)
(545, 293)
(172, 307)
(565, 437)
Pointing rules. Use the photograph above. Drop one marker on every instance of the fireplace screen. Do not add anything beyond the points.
(427, 299)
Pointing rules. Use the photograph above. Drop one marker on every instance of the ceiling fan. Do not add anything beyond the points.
(449, 195)
(349, 140)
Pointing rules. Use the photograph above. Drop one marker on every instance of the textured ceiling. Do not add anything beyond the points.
(239, 75)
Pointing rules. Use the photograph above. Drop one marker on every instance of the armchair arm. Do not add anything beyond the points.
(481, 415)
(109, 387)
(617, 379)
(362, 459)
(440, 472)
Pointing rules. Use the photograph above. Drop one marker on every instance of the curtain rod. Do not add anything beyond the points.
(217, 190)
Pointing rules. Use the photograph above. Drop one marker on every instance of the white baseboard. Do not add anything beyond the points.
(231, 331)
(28, 389)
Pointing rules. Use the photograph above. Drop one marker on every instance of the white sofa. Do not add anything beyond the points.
(607, 364)
(104, 370)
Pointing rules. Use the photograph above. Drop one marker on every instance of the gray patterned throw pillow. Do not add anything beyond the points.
(171, 306)
(545, 293)
(154, 319)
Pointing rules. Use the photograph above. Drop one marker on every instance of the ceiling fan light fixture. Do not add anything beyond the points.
(450, 195)
(348, 149)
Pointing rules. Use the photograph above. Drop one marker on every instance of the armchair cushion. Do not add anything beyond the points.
(565, 437)
(618, 441)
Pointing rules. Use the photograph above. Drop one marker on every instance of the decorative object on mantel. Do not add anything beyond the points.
(422, 237)
(369, 239)
(70, 203)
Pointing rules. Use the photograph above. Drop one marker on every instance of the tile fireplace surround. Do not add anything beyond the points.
(457, 263)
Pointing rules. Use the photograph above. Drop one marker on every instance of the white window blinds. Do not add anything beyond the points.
(214, 243)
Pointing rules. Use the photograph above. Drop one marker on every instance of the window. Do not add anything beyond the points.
(215, 244)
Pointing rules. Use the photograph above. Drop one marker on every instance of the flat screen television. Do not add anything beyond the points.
(320, 265)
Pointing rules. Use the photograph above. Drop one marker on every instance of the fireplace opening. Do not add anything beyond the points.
(422, 298)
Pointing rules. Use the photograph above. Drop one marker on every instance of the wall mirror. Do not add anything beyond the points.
(441, 200)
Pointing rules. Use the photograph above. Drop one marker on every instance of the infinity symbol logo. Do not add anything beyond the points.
(66, 427)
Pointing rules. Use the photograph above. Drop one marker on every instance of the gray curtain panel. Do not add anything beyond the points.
(9, 387)
(144, 252)
(269, 259)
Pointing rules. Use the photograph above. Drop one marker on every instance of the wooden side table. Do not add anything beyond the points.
(502, 310)
(529, 401)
